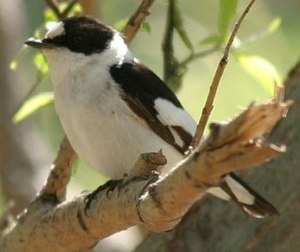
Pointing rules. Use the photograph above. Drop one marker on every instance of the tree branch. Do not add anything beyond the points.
(216, 80)
(53, 6)
(60, 173)
(49, 224)
(214, 225)
(134, 23)
(158, 203)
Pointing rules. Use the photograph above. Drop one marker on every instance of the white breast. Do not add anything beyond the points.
(102, 129)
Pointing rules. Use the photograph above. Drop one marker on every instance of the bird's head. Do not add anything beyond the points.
(79, 40)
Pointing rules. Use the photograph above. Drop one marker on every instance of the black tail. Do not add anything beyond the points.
(250, 201)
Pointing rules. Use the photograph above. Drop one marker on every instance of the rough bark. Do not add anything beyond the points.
(213, 225)
(142, 197)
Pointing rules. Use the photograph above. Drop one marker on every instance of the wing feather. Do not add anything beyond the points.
(149, 97)
(152, 100)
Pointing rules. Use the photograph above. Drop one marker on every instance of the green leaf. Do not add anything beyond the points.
(76, 10)
(40, 63)
(146, 26)
(120, 24)
(274, 25)
(260, 69)
(271, 28)
(32, 105)
(13, 65)
(227, 10)
(49, 15)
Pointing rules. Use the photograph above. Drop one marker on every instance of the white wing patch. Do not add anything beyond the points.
(177, 138)
(170, 115)
(55, 29)
(239, 191)
(218, 192)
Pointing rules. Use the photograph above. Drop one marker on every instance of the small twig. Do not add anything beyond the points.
(198, 55)
(136, 20)
(53, 6)
(67, 10)
(60, 174)
(216, 80)
(173, 69)
(60, 15)
(40, 77)
(169, 59)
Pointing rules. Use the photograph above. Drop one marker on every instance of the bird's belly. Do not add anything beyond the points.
(110, 139)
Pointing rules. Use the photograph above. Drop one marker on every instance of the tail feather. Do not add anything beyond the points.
(250, 201)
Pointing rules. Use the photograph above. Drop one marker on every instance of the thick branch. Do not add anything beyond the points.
(158, 203)
(60, 173)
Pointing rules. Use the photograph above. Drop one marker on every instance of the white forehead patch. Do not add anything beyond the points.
(55, 29)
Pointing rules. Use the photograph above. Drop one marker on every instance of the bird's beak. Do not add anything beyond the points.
(39, 44)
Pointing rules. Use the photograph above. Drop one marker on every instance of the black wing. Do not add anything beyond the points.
(141, 88)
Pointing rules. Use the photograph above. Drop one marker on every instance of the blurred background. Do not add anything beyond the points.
(266, 49)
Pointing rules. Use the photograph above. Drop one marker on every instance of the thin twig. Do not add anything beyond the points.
(69, 8)
(136, 20)
(198, 55)
(173, 69)
(40, 77)
(60, 174)
(216, 80)
(53, 6)
(60, 15)
(169, 59)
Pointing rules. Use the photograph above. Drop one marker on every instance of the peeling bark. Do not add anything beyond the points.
(142, 197)
(213, 225)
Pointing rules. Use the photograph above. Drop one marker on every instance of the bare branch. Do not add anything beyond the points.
(158, 203)
(68, 9)
(136, 20)
(216, 80)
(60, 173)
(53, 6)
(38, 80)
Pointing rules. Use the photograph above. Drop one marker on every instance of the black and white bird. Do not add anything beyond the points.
(113, 108)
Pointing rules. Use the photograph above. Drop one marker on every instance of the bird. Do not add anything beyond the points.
(113, 108)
